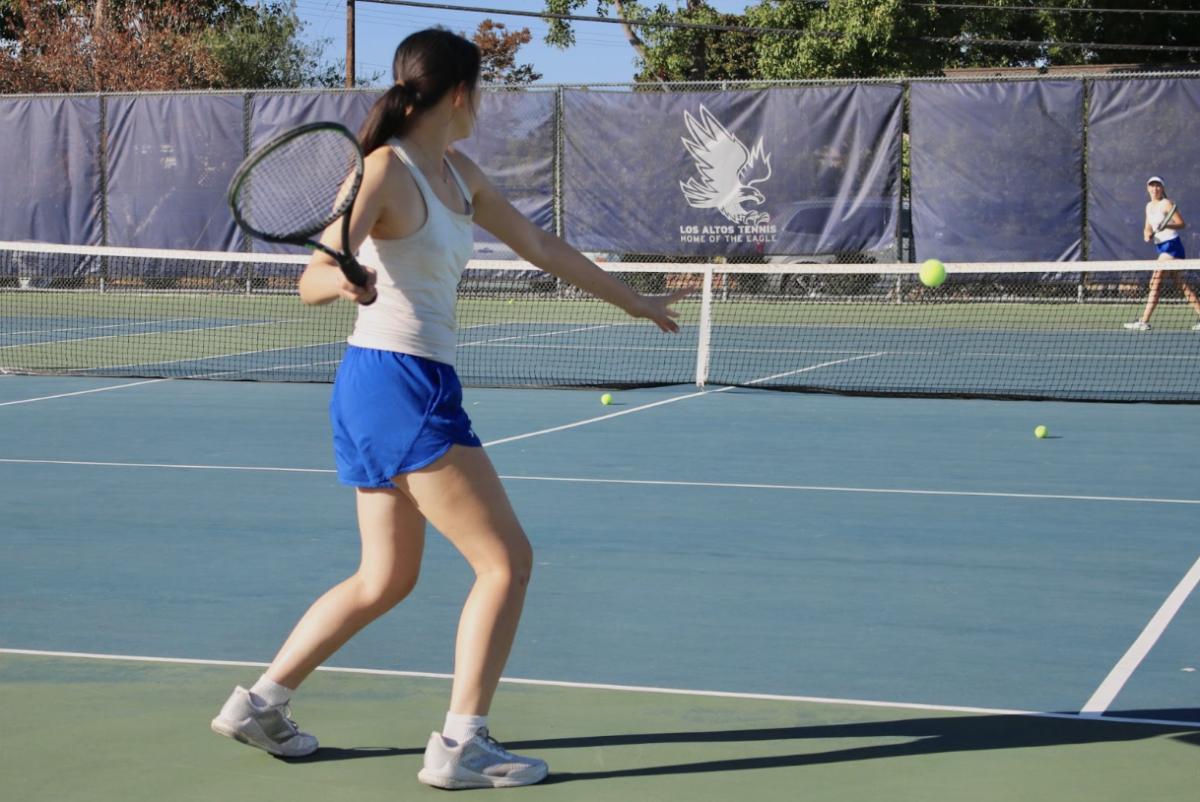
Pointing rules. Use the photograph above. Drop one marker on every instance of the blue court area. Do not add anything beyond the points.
(911, 557)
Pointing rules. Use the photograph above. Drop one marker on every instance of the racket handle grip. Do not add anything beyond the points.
(357, 275)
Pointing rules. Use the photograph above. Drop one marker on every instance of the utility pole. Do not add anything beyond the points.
(349, 44)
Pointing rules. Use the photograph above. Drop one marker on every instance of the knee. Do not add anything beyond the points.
(384, 593)
(516, 567)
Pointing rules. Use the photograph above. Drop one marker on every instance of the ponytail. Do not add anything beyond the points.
(428, 65)
(386, 118)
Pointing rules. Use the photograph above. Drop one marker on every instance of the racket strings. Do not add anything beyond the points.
(300, 187)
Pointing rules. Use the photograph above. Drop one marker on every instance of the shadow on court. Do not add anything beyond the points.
(929, 736)
(331, 754)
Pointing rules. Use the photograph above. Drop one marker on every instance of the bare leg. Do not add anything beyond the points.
(462, 497)
(1186, 289)
(1156, 280)
(393, 541)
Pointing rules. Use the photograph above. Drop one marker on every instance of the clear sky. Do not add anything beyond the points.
(601, 54)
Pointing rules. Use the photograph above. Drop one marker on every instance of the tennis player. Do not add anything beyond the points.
(1163, 224)
(401, 436)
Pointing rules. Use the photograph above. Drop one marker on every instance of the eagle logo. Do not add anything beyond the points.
(728, 170)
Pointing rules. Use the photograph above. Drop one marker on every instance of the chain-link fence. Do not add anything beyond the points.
(1038, 169)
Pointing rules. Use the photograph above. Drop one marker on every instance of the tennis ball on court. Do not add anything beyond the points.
(933, 273)
(1039, 432)
(606, 399)
(511, 301)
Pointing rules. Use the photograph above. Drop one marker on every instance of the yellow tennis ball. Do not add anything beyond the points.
(606, 399)
(1039, 432)
(933, 273)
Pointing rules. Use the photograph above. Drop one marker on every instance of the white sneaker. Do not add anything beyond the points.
(267, 728)
(479, 763)
(1138, 325)
(1196, 327)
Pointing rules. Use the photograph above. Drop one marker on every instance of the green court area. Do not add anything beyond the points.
(136, 731)
(959, 342)
(524, 308)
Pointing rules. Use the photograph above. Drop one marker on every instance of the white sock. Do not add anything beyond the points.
(270, 693)
(460, 729)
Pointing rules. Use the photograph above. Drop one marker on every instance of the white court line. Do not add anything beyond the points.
(1111, 686)
(81, 392)
(670, 401)
(89, 464)
(170, 332)
(122, 325)
(830, 489)
(770, 697)
(532, 336)
(630, 411)
(817, 367)
(645, 482)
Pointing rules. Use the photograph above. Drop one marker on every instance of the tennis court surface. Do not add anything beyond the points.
(739, 594)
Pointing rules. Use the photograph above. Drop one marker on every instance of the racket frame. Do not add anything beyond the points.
(346, 261)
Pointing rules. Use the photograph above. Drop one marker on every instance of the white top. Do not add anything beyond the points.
(1155, 218)
(417, 278)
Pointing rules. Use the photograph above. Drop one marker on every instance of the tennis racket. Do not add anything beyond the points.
(296, 185)
(1165, 220)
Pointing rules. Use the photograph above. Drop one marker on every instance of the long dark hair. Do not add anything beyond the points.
(428, 65)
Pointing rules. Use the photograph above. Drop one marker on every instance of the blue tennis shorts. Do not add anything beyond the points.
(394, 413)
(1173, 246)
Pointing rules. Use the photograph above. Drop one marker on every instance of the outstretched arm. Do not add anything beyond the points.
(551, 253)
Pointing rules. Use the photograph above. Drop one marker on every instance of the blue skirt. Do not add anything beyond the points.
(394, 413)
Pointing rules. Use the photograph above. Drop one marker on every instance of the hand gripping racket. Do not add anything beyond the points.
(1170, 216)
(295, 186)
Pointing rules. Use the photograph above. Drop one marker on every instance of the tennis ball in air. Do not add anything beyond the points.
(1039, 432)
(511, 301)
(933, 273)
(606, 399)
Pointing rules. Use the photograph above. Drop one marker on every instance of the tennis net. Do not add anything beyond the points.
(1028, 330)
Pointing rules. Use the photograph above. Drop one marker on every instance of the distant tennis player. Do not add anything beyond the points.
(1163, 224)
(401, 435)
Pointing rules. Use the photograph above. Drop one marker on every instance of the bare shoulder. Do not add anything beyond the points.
(468, 169)
(382, 163)
(384, 170)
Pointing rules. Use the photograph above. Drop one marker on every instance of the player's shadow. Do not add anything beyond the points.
(922, 736)
(327, 754)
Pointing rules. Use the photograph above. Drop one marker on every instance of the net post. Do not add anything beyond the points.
(103, 176)
(702, 345)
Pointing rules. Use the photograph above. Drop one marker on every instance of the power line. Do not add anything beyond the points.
(953, 40)
(1182, 12)
(979, 7)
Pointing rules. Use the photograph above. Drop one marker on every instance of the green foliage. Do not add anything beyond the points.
(560, 33)
(884, 38)
(261, 48)
(848, 39)
(694, 54)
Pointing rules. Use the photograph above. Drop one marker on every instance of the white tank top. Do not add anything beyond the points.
(1155, 219)
(417, 278)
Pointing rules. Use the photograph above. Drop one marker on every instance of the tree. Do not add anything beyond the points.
(155, 45)
(62, 48)
(883, 38)
(499, 50)
(696, 54)
(261, 48)
(850, 39)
